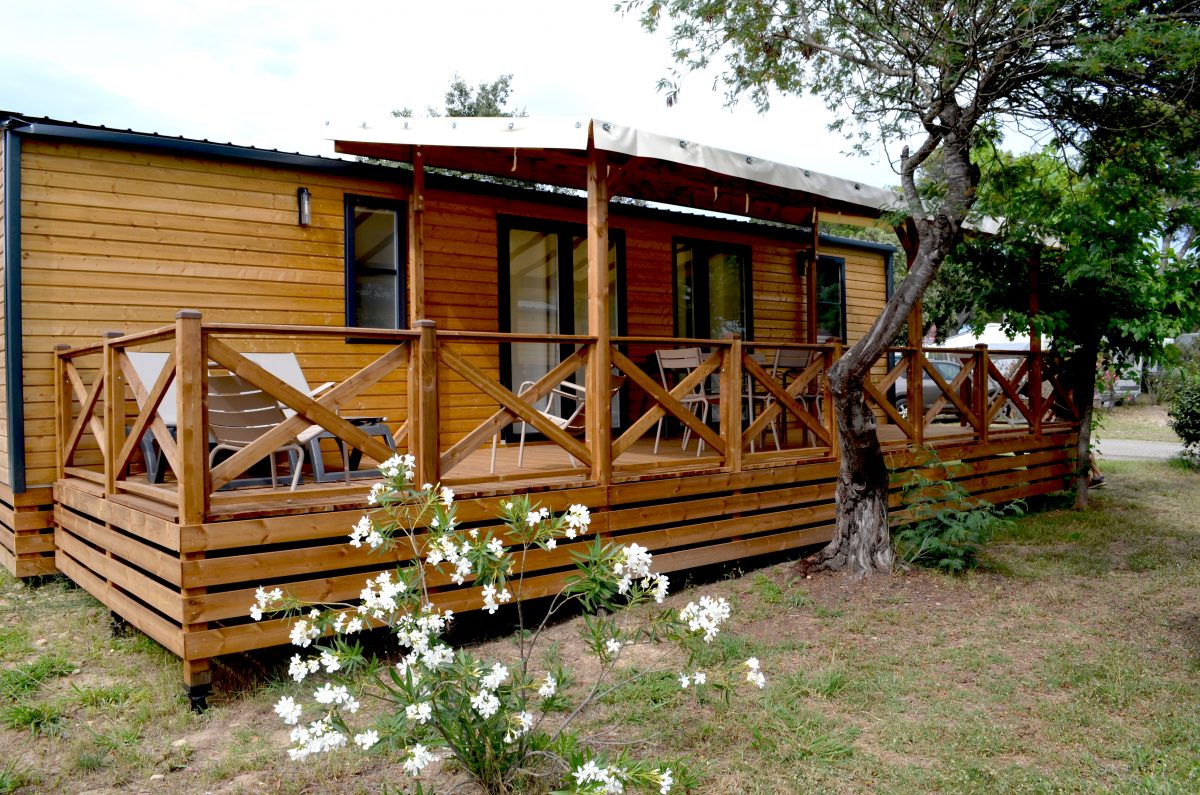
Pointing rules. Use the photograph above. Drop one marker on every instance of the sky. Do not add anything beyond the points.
(274, 74)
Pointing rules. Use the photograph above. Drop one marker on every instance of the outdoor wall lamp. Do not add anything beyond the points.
(304, 206)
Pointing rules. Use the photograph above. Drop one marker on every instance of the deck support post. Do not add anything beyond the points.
(599, 367)
(915, 393)
(731, 404)
(810, 283)
(416, 239)
(114, 411)
(191, 396)
(1035, 351)
(980, 403)
(423, 404)
(62, 411)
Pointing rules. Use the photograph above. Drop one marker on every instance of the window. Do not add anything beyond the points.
(376, 263)
(712, 285)
(831, 298)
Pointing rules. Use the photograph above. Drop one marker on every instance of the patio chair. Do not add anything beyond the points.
(239, 413)
(573, 422)
(674, 365)
(789, 363)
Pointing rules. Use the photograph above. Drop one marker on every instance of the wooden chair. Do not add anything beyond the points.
(674, 365)
(239, 413)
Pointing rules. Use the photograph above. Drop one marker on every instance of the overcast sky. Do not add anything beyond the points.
(272, 74)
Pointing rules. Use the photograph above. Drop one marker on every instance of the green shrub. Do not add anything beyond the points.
(949, 526)
(1185, 416)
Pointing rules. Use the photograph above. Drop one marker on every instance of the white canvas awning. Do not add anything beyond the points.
(642, 165)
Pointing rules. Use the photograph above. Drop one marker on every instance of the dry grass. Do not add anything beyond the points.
(1070, 664)
(1136, 421)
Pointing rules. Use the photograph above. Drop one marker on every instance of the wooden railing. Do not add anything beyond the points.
(455, 404)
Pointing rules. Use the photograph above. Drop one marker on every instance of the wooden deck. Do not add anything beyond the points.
(181, 559)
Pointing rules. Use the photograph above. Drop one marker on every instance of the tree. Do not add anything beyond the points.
(487, 99)
(1108, 284)
(938, 73)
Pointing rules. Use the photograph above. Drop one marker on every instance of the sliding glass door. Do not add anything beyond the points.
(543, 290)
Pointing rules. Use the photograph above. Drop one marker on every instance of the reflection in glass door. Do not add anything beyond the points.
(544, 291)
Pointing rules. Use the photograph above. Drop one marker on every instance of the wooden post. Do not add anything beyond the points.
(191, 430)
(599, 367)
(980, 402)
(916, 376)
(1035, 350)
(810, 283)
(114, 410)
(731, 403)
(416, 240)
(62, 411)
(423, 404)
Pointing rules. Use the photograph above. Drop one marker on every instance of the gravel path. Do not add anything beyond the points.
(1137, 450)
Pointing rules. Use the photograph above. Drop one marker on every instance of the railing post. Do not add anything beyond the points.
(916, 375)
(731, 403)
(598, 377)
(191, 430)
(1035, 388)
(62, 411)
(981, 390)
(423, 404)
(114, 410)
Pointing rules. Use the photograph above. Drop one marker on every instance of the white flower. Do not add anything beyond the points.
(377, 491)
(700, 677)
(426, 486)
(551, 543)
(300, 668)
(418, 758)
(367, 739)
(303, 633)
(362, 529)
(549, 687)
(665, 780)
(753, 675)
(419, 713)
(447, 496)
(315, 738)
(684, 681)
(577, 520)
(497, 677)
(523, 723)
(353, 626)
(495, 547)
(608, 777)
(289, 710)
(492, 599)
(328, 694)
(485, 703)
(705, 617)
(633, 563)
(263, 600)
(330, 662)
(613, 646)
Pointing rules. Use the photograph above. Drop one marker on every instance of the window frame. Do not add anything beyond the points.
(351, 201)
(840, 262)
(703, 248)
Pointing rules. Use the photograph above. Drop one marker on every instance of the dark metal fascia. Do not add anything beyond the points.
(14, 392)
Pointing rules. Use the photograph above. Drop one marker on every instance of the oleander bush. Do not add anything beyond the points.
(507, 724)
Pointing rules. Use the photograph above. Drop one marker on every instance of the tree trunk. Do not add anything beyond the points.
(862, 538)
(862, 541)
(1083, 391)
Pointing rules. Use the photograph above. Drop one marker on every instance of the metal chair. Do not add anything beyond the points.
(674, 365)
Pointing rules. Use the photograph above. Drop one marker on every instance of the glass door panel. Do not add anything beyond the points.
(533, 301)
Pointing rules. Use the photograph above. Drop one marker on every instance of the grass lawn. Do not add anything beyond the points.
(1071, 663)
(1148, 423)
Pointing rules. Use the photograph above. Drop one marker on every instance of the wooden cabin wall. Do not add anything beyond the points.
(120, 239)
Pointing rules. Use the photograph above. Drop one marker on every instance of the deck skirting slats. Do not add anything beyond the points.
(190, 586)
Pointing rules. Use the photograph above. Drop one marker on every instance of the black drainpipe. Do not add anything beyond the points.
(14, 389)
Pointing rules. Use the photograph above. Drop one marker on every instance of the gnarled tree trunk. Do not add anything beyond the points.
(862, 540)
